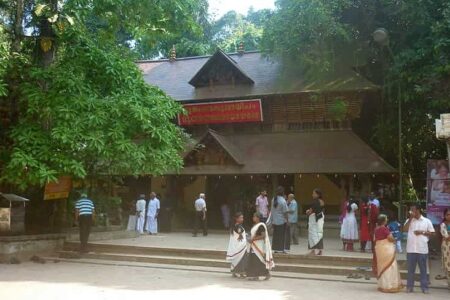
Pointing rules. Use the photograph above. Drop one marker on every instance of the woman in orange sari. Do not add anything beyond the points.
(385, 263)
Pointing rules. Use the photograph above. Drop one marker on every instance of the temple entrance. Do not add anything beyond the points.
(238, 193)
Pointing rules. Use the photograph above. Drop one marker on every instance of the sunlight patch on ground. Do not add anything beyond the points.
(67, 291)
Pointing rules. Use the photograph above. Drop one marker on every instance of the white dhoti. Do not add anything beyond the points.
(140, 222)
(152, 224)
(131, 223)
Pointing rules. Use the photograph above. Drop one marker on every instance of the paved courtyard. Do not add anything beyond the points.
(219, 241)
(82, 281)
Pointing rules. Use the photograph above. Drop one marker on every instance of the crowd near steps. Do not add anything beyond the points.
(353, 265)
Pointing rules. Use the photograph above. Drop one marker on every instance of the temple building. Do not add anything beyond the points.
(256, 125)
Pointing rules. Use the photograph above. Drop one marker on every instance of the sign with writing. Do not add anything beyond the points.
(222, 112)
(5, 219)
(59, 189)
(438, 190)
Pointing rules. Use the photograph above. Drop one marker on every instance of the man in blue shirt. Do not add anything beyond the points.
(85, 215)
(293, 218)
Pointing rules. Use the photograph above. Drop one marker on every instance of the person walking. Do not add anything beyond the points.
(260, 257)
(384, 260)
(316, 220)
(349, 228)
(140, 213)
(237, 247)
(445, 247)
(85, 215)
(200, 215)
(262, 206)
(153, 208)
(419, 230)
(293, 219)
(279, 220)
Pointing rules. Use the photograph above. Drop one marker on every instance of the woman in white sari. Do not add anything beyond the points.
(316, 219)
(237, 247)
(260, 258)
(385, 263)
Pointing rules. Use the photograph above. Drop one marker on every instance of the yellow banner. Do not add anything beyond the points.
(58, 190)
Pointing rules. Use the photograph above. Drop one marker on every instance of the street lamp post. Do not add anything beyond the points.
(381, 36)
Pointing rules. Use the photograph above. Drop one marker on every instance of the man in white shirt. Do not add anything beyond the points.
(374, 199)
(140, 214)
(262, 206)
(152, 214)
(419, 229)
(200, 215)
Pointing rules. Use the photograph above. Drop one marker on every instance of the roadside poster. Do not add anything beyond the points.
(438, 189)
(59, 189)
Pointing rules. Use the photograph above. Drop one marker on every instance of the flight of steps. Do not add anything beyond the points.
(285, 263)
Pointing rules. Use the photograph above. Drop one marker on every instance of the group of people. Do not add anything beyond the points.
(419, 230)
(147, 214)
(369, 210)
(283, 218)
(250, 255)
(384, 238)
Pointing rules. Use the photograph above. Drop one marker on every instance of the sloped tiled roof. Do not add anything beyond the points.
(269, 78)
(295, 152)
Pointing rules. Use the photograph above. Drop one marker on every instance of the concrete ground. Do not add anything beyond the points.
(219, 241)
(83, 281)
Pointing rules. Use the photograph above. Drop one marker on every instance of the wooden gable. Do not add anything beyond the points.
(220, 69)
(211, 150)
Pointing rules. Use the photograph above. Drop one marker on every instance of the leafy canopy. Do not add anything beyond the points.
(321, 36)
(87, 110)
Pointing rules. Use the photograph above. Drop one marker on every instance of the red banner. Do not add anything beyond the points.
(222, 112)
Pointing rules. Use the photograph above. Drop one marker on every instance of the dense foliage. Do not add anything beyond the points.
(226, 32)
(322, 36)
(77, 103)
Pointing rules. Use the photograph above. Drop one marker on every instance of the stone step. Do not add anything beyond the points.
(317, 269)
(103, 235)
(347, 261)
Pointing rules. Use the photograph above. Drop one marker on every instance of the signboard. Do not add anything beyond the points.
(59, 189)
(222, 112)
(438, 189)
(5, 219)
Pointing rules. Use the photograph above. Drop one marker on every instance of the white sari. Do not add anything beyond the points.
(262, 248)
(236, 248)
(315, 232)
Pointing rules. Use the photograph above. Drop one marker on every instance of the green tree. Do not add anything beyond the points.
(80, 104)
(187, 41)
(323, 36)
(227, 33)
(232, 29)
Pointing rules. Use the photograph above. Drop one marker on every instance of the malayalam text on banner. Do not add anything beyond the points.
(222, 112)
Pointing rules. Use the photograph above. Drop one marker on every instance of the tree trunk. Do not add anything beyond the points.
(46, 46)
(13, 75)
(17, 27)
